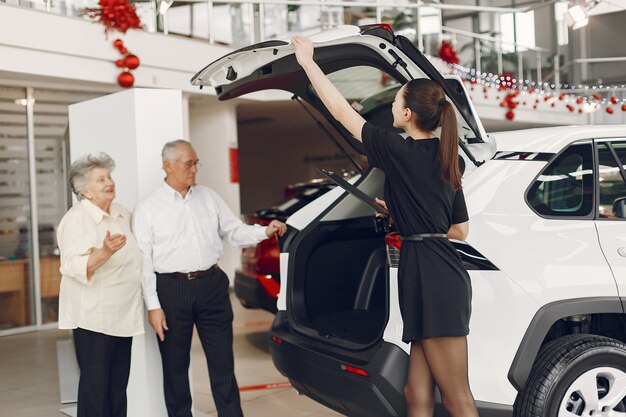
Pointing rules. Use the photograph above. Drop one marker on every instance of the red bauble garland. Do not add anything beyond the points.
(115, 15)
(447, 53)
(129, 62)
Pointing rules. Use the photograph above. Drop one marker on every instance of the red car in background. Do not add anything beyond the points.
(257, 282)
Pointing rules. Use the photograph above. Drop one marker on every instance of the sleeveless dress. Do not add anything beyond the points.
(434, 288)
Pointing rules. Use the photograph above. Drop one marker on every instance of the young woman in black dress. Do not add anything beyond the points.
(423, 190)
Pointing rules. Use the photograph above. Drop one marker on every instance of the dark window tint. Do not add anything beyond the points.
(565, 187)
(612, 193)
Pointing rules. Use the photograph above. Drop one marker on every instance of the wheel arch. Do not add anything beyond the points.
(544, 320)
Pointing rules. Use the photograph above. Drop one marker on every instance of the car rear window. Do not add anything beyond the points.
(565, 187)
(366, 88)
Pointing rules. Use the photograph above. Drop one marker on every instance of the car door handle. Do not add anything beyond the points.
(622, 251)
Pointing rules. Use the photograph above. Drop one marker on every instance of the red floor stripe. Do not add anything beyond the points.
(253, 323)
(265, 386)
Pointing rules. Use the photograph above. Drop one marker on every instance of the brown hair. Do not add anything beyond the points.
(427, 100)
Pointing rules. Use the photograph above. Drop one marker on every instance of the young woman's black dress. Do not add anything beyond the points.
(434, 287)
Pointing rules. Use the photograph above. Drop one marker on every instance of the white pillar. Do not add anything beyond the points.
(132, 126)
(213, 131)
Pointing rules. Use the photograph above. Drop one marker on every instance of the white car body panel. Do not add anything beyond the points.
(553, 139)
(303, 217)
(612, 234)
(499, 307)
(551, 259)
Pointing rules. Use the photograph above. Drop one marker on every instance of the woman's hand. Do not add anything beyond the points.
(381, 203)
(113, 243)
(110, 245)
(304, 50)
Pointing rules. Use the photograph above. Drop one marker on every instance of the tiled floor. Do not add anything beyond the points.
(29, 384)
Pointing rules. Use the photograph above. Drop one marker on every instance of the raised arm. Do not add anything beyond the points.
(334, 101)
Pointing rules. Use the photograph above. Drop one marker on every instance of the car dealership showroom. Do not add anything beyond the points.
(309, 208)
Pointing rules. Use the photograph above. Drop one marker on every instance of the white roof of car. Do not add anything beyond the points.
(553, 139)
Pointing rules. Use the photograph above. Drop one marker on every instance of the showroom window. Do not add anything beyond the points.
(611, 182)
(565, 187)
(33, 197)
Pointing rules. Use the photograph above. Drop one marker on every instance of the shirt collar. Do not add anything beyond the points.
(172, 193)
(97, 214)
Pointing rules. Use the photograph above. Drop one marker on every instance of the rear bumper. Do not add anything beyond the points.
(251, 293)
(320, 375)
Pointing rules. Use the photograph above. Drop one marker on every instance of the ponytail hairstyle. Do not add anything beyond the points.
(427, 100)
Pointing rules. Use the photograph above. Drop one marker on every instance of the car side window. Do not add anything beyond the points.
(611, 183)
(565, 187)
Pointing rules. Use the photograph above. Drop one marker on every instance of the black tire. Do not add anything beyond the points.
(563, 363)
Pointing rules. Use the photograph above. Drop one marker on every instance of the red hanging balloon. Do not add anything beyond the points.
(614, 100)
(123, 51)
(623, 107)
(119, 63)
(126, 79)
(579, 100)
(131, 61)
(510, 115)
(597, 96)
(609, 110)
(118, 43)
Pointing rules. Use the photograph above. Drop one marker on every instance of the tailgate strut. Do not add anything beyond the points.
(330, 136)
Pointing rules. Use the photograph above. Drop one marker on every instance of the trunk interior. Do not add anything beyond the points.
(339, 285)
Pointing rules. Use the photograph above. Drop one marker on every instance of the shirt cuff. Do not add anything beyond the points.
(259, 232)
(152, 302)
(76, 268)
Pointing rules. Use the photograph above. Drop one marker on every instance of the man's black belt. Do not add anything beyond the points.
(193, 274)
(421, 236)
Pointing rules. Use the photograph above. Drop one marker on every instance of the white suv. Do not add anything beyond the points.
(546, 251)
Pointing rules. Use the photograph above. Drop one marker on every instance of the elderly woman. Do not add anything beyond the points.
(100, 296)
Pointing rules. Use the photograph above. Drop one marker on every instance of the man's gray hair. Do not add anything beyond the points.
(169, 152)
(81, 168)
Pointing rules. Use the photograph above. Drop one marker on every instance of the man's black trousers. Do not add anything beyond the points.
(104, 363)
(205, 303)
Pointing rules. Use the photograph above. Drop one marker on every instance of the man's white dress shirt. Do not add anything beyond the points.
(177, 234)
(110, 301)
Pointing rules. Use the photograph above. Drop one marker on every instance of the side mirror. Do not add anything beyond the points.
(619, 207)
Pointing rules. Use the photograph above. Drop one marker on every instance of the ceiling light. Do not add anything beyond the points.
(578, 16)
(165, 4)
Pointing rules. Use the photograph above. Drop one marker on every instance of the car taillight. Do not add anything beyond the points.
(376, 25)
(277, 340)
(354, 370)
(393, 244)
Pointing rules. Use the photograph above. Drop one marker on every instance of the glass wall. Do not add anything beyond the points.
(16, 291)
(29, 262)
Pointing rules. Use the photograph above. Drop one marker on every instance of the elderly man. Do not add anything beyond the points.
(179, 228)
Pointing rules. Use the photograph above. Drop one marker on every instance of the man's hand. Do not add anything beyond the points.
(304, 50)
(158, 323)
(276, 227)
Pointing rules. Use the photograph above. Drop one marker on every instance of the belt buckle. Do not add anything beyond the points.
(191, 276)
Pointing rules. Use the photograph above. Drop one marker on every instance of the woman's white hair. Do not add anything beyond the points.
(170, 149)
(81, 168)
